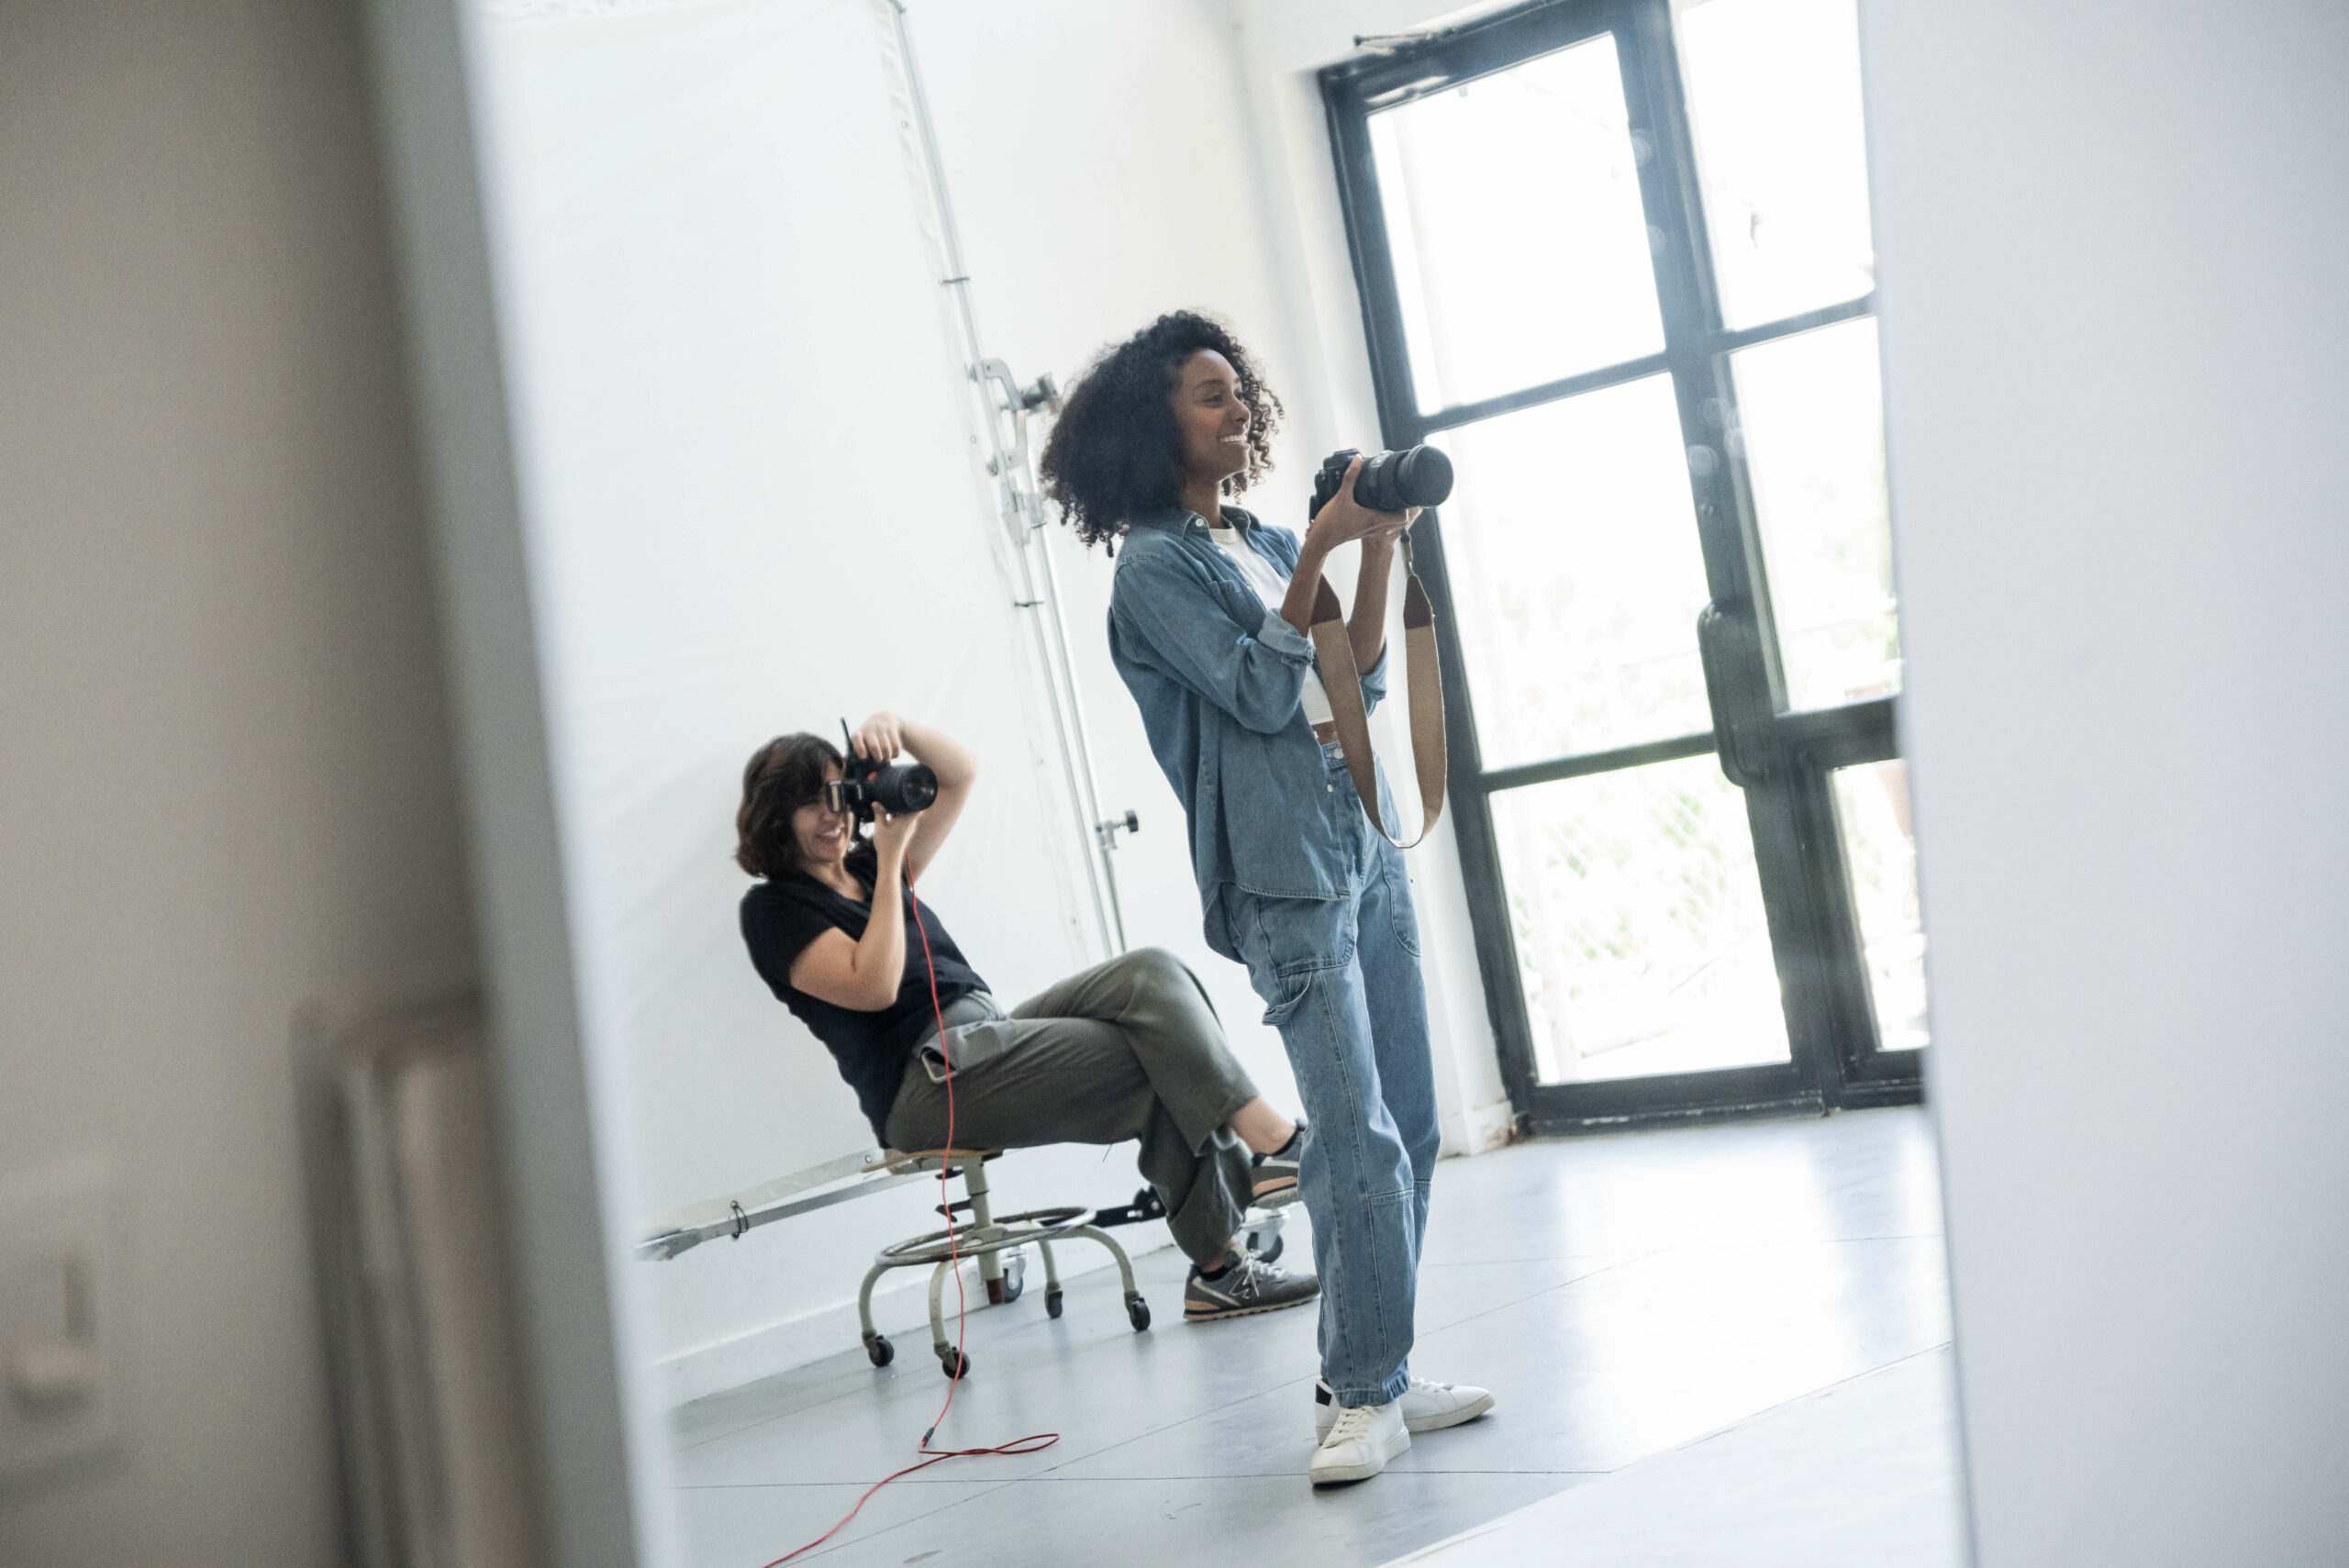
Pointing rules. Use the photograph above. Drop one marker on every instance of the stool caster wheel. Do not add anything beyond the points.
(1052, 1304)
(946, 1365)
(1005, 1289)
(881, 1350)
(1138, 1313)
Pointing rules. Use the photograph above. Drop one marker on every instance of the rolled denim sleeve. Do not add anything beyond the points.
(1254, 674)
(1284, 638)
(1374, 680)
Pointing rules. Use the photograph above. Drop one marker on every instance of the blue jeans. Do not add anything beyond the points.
(1340, 981)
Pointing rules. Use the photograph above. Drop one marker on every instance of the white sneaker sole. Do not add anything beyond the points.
(1460, 1417)
(1338, 1474)
(1217, 1313)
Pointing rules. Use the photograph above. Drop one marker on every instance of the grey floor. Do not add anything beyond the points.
(1627, 1298)
(1861, 1474)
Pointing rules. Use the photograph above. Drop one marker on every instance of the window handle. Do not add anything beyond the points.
(1715, 627)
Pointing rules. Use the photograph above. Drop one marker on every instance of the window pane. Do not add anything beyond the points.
(1880, 850)
(1641, 937)
(1773, 96)
(1811, 427)
(1571, 542)
(1513, 212)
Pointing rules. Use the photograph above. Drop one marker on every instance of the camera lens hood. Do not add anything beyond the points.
(909, 787)
(1393, 482)
(1425, 476)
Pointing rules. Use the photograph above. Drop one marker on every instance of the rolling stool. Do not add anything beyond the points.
(1000, 1247)
(988, 1240)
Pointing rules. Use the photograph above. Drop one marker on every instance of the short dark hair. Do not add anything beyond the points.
(784, 774)
(1116, 450)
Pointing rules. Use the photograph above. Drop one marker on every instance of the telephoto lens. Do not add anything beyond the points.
(909, 787)
(1396, 482)
(1389, 482)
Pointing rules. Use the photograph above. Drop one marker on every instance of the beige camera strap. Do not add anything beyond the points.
(1334, 651)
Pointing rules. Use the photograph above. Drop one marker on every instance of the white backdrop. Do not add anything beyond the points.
(752, 509)
(753, 512)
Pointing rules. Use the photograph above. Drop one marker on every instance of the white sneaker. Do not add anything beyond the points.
(1359, 1443)
(1426, 1407)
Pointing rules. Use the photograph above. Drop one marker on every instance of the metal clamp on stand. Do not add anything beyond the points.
(1109, 828)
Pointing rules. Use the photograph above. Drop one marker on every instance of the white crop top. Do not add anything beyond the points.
(1273, 588)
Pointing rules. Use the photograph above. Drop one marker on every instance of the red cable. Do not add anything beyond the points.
(1034, 1443)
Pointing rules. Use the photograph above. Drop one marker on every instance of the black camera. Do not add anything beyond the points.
(1389, 482)
(895, 787)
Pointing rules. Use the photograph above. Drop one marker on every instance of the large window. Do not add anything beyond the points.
(1614, 257)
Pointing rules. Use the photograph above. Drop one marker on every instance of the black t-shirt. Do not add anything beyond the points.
(782, 916)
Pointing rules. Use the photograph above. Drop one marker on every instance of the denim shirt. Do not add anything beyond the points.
(1217, 676)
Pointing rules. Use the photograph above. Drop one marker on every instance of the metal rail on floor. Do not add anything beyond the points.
(863, 1175)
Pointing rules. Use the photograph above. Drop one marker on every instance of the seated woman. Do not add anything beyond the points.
(1130, 1049)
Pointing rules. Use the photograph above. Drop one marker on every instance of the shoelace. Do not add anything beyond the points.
(1242, 1282)
(1354, 1421)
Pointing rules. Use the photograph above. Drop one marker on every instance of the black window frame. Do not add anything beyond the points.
(1783, 759)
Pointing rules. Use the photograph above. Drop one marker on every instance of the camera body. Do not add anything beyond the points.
(866, 784)
(1389, 482)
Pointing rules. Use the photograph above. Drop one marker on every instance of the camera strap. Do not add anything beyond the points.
(1334, 652)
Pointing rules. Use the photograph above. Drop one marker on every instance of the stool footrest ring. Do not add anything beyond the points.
(977, 1242)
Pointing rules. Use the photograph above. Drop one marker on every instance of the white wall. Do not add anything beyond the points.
(2114, 331)
(225, 780)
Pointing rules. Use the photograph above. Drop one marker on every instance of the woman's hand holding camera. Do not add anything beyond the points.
(1341, 520)
(879, 739)
(913, 836)
(1344, 520)
(893, 835)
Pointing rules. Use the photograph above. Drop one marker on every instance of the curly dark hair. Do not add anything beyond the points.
(1116, 450)
(784, 774)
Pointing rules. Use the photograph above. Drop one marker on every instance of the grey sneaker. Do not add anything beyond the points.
(1247, 1285)
(1276, 1173)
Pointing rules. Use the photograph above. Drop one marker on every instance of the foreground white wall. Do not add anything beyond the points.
(225, 783)
(2114, 331)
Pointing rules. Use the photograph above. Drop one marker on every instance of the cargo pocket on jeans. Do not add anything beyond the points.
(1291, 988)
(1285, 946)
(1400, 911)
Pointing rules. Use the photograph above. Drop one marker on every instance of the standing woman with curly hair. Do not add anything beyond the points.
(1207, 626)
